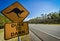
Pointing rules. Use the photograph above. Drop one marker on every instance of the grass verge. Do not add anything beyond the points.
(1, 30)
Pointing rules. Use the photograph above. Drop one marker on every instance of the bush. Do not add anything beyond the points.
(3, 20)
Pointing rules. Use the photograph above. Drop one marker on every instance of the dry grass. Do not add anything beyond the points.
(1, 30)
(23, 38)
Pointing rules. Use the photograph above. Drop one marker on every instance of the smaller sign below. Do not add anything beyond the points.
(12, 30)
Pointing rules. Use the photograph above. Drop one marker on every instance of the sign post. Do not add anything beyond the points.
(19, 39)
(16, 13)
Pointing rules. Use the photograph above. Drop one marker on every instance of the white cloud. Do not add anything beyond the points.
(26, 19)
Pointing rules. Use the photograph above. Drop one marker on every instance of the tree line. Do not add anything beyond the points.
(51, 18)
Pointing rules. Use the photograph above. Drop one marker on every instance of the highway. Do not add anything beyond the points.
(45, 32)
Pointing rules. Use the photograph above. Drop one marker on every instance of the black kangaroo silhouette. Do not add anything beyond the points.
(17, 11)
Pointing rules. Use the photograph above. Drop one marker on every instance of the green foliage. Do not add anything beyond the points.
(3, 20)
(51, 18)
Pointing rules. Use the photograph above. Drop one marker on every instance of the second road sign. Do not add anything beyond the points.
(12, 30)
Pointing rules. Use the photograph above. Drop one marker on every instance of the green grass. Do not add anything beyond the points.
(1, 30)
(53, 24)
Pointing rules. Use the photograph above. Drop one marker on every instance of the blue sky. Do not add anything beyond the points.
(35, 7)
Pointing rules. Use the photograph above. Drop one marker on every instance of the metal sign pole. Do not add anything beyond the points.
(18, 38)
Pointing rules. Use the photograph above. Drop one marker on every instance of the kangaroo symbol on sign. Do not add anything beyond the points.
(17, 11)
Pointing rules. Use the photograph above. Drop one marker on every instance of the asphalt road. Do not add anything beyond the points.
(46, 32)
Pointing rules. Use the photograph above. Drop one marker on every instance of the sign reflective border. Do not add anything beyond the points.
(16, 12)
(12, 30)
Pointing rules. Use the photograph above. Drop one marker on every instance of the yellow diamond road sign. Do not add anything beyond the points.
(16, 12)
